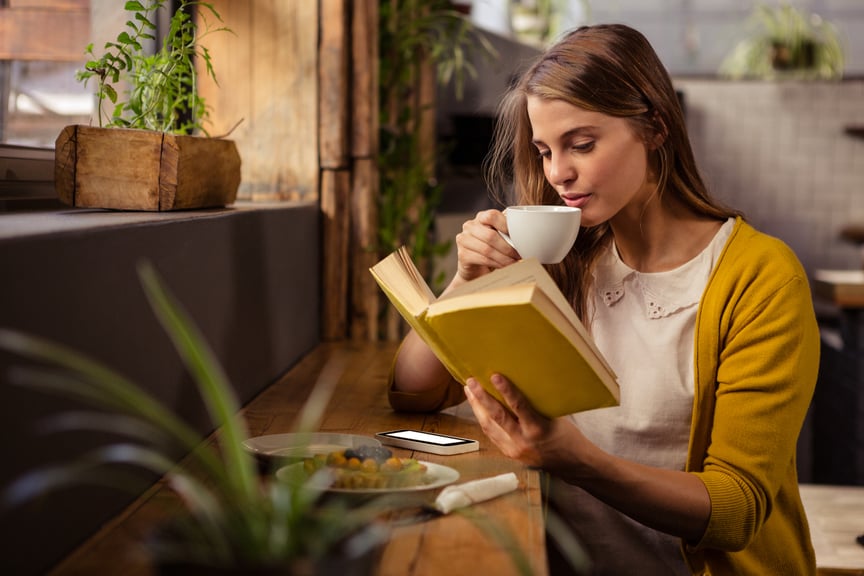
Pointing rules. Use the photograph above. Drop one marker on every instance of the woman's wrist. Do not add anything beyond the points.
(457, 281)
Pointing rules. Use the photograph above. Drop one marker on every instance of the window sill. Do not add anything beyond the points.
(71, 220)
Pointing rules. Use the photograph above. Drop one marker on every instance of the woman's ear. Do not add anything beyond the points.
(660, 132)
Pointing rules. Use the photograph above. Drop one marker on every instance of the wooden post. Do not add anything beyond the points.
(364, 79)
(333, 82)
(308, 112)
(366, 299)
(335, 192)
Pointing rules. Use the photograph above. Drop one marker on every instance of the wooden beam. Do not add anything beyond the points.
(364, 79)
(333, 81)
(366, 300)
(310, 130)
(366, 297)
(335, 191)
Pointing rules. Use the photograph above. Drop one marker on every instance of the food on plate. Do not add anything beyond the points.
(368, 467)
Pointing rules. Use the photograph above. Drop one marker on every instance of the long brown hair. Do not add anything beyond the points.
(611, 69)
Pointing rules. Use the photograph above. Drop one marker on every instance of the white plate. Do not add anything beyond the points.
(437, 476)
(305, 445)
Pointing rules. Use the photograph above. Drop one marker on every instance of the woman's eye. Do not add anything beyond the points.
(543, 154)
(584, 146)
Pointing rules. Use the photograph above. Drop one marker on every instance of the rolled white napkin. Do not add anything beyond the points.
(462, 495)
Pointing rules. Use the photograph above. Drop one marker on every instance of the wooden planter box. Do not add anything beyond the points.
(143, 170)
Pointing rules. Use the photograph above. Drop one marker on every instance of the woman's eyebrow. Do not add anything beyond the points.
(568, 134)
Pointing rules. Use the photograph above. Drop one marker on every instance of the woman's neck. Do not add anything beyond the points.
(661, 236)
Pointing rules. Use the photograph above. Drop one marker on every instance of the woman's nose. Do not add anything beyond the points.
(560, 170)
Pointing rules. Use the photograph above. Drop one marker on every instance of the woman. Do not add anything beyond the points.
(708, 324)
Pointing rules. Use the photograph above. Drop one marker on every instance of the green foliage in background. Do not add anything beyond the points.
(162, 94)
(786, 42)
(411, 33)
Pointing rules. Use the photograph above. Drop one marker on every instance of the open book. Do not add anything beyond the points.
(513, 321)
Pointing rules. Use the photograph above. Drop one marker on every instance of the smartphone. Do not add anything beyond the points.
(428, 442)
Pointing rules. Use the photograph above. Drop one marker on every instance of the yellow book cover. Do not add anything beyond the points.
(514, 321)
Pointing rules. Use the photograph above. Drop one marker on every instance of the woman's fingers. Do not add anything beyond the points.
(501, 426)
(519, 431)
(480, 248)
(533, 426)
(495, 421)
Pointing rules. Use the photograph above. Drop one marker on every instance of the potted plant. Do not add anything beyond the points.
(147, 153)
(234, 518)
(787, 43)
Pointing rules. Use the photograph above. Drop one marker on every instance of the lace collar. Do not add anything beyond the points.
(664, 293)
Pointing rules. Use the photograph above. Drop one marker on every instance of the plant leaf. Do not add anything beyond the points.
(83, 471)
(92, 421)
(212, 382)
(98, 385)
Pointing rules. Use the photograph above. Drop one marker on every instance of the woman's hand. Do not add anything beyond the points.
(672, 501)
(522, 433)
(480, 249)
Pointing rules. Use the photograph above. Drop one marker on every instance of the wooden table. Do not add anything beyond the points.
(836, 517)
(844, 289)
(449, 545)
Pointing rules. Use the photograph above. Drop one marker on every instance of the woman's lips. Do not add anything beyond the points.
(576, 200)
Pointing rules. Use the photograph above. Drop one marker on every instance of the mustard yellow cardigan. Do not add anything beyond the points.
(756, 363)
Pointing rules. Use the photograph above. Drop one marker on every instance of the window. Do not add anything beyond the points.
(26, 178)
(42, 44)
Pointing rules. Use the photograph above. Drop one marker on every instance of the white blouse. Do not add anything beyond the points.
(644, 325)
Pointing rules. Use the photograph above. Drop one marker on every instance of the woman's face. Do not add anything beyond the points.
(594, 161)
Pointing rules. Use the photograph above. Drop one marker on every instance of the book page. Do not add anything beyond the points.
(404, 286)
(522, 272)
(402, 279)
(496, 295)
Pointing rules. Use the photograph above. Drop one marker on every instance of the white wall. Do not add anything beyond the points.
(779, 152)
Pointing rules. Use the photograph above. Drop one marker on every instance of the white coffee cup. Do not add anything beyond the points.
(543, 232)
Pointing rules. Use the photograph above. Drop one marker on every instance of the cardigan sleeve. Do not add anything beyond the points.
(764, 369)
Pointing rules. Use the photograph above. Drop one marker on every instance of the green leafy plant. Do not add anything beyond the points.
(234, 517)
(413, 33)
(786, 42)
(162, 92)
